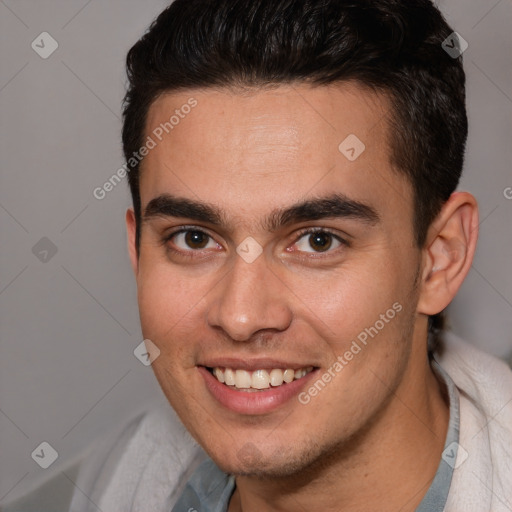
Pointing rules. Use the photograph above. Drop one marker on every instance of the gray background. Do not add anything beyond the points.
(70, 324)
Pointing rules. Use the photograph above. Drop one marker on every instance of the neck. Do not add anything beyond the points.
(395, 457)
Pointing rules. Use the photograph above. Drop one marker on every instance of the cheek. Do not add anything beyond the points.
(342, 304)
(169, 307)
(169, 303)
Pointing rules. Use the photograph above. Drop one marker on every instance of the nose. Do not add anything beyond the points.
(250, 298)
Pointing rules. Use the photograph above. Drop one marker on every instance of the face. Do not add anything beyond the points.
(269, 253)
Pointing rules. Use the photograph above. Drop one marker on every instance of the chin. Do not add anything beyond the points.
(268, 462)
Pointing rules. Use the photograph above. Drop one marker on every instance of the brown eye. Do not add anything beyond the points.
(196, 239)
(318, 241)
(191, 240)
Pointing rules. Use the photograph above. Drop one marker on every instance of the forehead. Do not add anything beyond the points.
(249, 149)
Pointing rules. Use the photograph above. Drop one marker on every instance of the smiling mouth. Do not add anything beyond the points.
(258, 380)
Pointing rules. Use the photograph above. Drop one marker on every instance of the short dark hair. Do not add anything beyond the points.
(391, 46)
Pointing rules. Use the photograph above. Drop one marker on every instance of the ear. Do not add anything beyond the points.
(131, 229)
(448, 252)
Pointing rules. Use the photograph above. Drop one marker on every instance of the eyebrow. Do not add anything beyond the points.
(332, 206)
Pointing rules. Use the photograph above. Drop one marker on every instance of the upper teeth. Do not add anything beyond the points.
(259, 379)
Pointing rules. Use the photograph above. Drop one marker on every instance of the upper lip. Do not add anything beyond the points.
(252, 364)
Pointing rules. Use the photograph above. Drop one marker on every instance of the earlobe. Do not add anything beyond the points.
(448, 252)
(131, 229)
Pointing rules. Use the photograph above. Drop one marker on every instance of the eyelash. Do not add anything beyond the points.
(306, 231)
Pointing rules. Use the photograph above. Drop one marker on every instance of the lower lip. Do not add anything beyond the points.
(257, 402)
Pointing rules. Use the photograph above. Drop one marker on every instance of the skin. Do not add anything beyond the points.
(248, 153)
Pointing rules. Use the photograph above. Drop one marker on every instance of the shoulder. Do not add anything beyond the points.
(142, 468)
(483, 468)
(486, 379)
(146, 460)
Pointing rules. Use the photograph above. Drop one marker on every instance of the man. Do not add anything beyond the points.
(295, 235)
